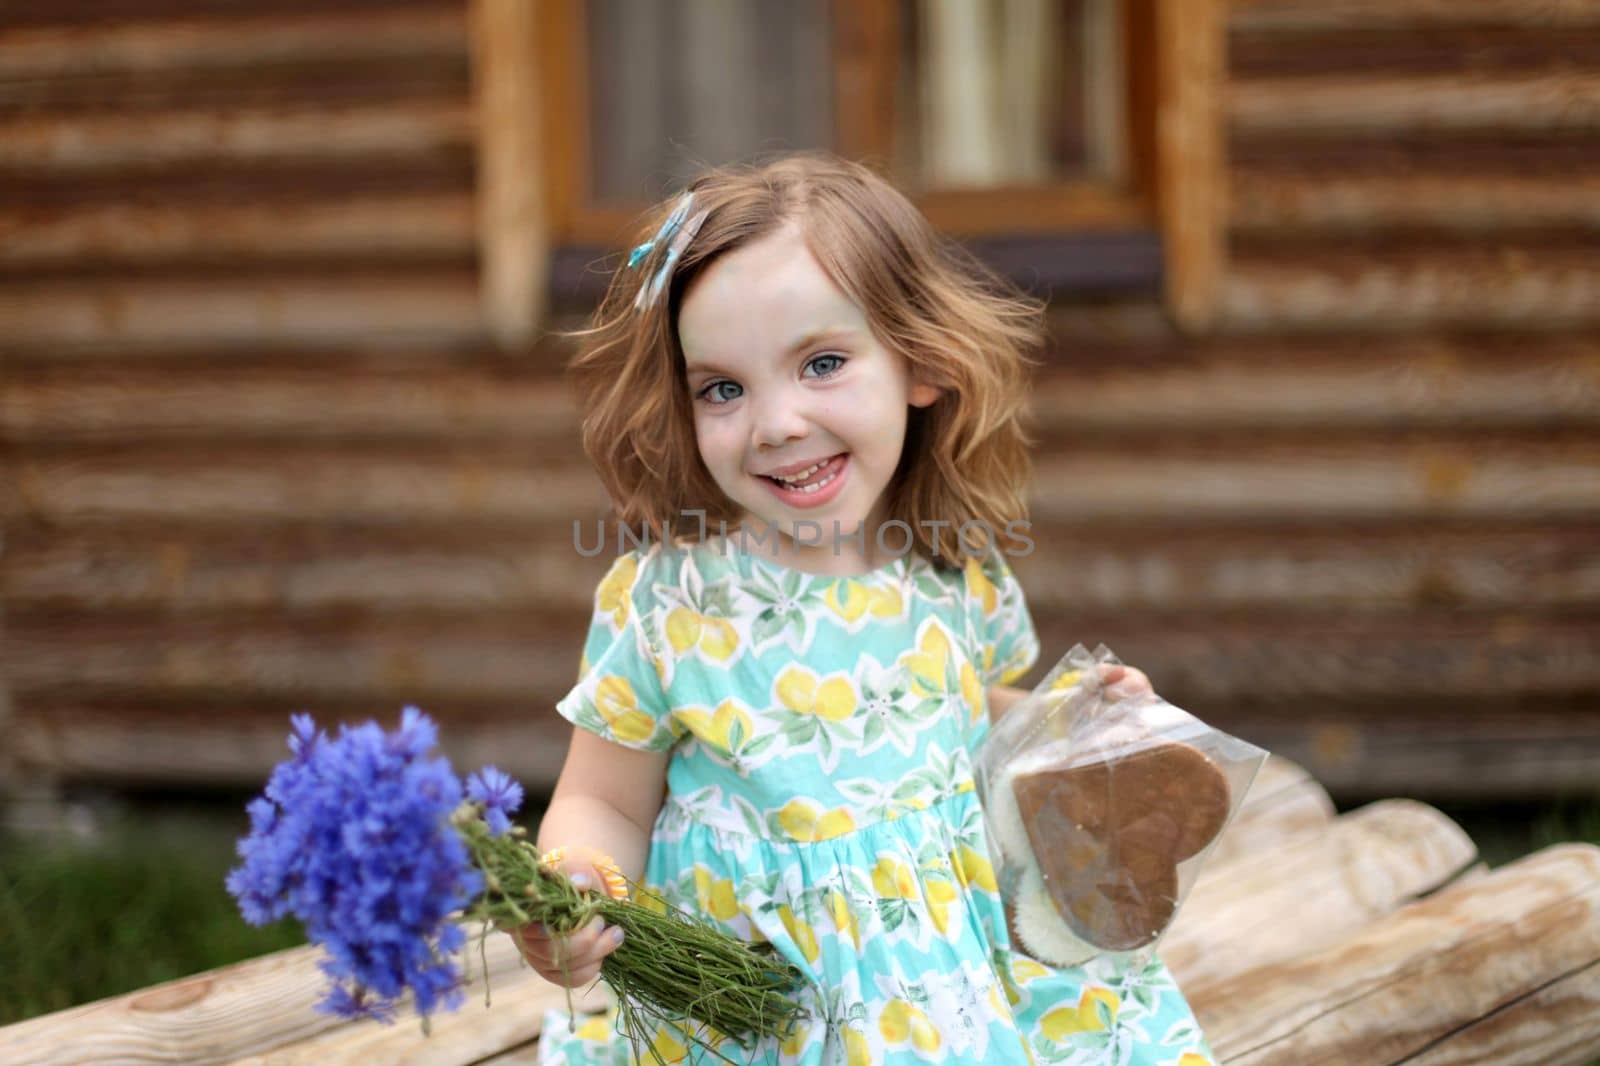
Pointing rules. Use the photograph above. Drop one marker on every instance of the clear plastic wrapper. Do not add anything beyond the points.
(1101, 811)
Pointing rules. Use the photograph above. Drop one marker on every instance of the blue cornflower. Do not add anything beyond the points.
(352, 836)
(499, 794)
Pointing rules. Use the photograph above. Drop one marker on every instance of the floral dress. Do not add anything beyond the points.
(820, 797)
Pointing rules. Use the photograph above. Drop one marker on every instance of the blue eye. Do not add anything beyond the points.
(712, 393)
(825, 364)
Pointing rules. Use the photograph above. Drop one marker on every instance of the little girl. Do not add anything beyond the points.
(776, 712)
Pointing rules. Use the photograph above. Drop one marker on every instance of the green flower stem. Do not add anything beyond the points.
(671, 967)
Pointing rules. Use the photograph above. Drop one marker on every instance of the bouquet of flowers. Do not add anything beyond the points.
(381, 852)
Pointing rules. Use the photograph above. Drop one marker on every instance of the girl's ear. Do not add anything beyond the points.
(923, 395)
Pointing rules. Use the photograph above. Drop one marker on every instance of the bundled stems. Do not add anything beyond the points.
(671, 967)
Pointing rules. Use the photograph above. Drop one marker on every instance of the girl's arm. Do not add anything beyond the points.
(604, 806)
(1121, 682)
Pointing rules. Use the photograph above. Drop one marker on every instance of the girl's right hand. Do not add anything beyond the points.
(573, 960)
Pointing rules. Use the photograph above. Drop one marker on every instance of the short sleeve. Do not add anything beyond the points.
(1008, 644)
(618, 695)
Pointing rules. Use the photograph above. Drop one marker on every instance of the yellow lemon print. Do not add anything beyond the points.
(847, 599)
(715, 637)
(614, 699)
(1025, 970)
(794, 1043)
(972, 691)
(973, 869)
(893, 879)
(668, 1048)
(799, 690)
(844, 920)
(981, 586)
(900, 1021)
(800, 932)
(714, 894)
(612, 596)
(804, 820)
(857, 1053)
(927, 663)
(1190, 1058)
(1085, 1017)
(940, 895)
(1066, 681)
(597, 1029)
(718, 728)
(651, 901)
(886, 602)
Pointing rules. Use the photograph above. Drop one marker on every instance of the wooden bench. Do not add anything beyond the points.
(1374, 937)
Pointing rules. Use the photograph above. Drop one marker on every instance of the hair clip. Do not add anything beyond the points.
(676, 232)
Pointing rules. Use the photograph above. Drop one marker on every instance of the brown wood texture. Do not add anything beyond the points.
(514, 227)
(1515, 286)
(1379, 14)
(1420, 105)
(1191, 38)
(261, 1012)
(53, 319)
(1419, 984)
(246, 39)
(128, 237)
(1268, 202)
(1311, 890)
(68, 146)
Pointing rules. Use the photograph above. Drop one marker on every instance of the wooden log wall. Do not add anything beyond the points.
(259, 457)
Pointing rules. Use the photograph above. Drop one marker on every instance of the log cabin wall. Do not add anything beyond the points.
(260, 457)
(257, 457)
(1373, 536)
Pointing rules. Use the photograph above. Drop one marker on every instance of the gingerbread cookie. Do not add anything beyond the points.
(1108, 835)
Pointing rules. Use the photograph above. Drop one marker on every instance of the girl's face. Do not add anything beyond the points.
(799, 412)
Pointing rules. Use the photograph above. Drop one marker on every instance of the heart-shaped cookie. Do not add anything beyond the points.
(1108, 835)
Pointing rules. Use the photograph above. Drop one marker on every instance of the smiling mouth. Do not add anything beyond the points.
(812, 479)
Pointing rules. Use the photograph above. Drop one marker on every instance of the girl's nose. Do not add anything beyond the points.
(777, 421)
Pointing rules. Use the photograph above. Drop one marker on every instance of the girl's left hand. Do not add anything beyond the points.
(1124, 682)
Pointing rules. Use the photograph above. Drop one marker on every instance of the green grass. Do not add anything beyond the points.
(143, 905)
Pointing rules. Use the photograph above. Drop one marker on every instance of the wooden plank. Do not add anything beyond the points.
(1195, 480)
(1312, 890)
(353, 402)
(1139, 568)
(353, 489)
(1340, 104)
(1297, 15)
(395, 227)
(1496, 744)
(261, 1011)
(294, 309)
(510, 1022)
(220, 745)
(1389, 51)
(1265, 201)
(514, 225)
(79, 145)
(1191, 170)
(1411, 985)
(1509, 287)
(246, 38)
(1393, 482)
(866, 56)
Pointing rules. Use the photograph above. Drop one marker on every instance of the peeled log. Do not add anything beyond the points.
(1502, 969)
(263, 1011)
(1311, 890)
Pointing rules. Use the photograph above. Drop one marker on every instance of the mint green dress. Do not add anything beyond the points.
(820, 797)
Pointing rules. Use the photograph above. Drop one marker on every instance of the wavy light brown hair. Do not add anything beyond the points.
(959, 327)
